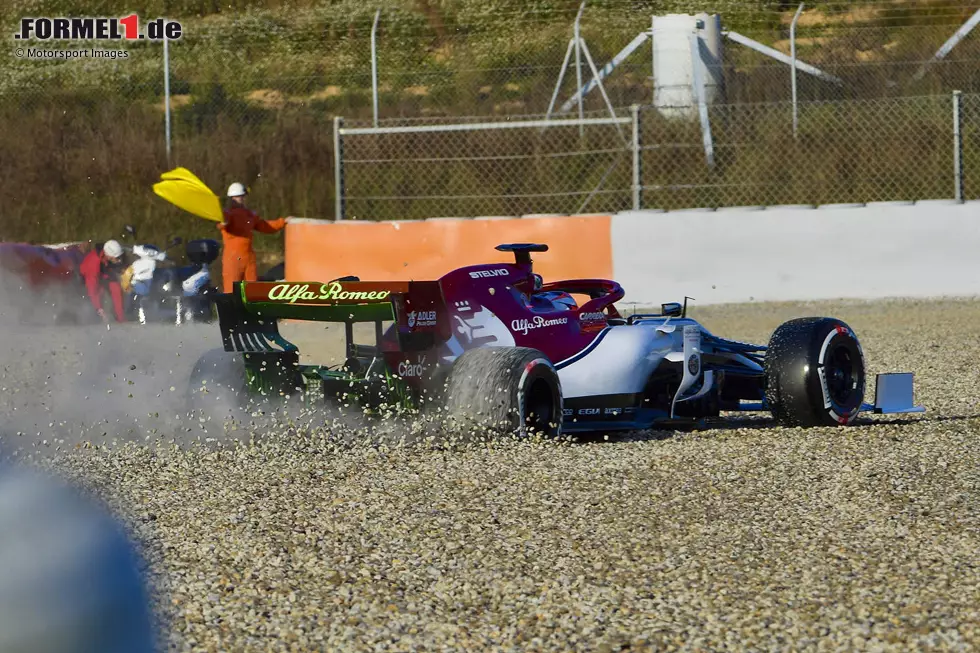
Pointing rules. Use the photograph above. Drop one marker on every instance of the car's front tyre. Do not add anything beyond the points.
(814, 372)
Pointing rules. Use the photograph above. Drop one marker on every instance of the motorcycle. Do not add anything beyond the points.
(161, 292)
(195, 280)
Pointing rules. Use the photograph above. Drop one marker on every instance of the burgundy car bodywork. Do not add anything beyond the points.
(39, 265)
(507, 291)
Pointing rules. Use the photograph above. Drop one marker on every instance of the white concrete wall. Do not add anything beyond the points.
(927, 249)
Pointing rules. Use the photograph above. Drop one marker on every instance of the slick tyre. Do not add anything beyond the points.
(814, 372)
(217, 384)
(505, 390)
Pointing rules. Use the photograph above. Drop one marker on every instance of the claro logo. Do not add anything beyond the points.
(483, 274)
(411, 370)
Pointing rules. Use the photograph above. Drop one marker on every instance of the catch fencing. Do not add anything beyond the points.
(251, 96)
(894, 149)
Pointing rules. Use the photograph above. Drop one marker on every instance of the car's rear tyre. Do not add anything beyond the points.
(217, 384)
(815, 375)
(507, 390)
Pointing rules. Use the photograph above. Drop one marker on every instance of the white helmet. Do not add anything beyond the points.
(236, 190)
(112, 248)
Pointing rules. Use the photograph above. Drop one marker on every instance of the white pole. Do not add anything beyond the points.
(338, 167)
(374, 64)
(953, 41)
(957, 148)
(779, 56)
(607, 69)
(578, 65)
(653, 61)
(595, 77)
(792, 46)
(561, 77)
(637, 158)
(166, 90)
(699, 94)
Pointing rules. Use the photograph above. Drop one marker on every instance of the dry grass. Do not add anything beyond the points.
(78, 160)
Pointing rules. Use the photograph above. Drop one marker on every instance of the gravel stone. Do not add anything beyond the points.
(300, 531)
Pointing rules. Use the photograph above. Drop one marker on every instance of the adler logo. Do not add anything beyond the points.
(483, 274)
(421, 319)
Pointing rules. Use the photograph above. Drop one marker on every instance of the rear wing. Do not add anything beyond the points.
(250, 314)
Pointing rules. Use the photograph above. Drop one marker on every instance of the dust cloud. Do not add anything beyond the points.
(68, 382)
(66, 378)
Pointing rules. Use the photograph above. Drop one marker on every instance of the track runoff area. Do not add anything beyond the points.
(768, 537)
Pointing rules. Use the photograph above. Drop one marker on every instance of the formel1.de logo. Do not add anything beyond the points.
(97, 29)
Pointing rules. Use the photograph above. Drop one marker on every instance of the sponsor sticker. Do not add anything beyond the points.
(592, 321)
(421, 319)
(303, 292)
(525, 325)
(411, 370)
(484, 274)
(588, 411)
(694, 364)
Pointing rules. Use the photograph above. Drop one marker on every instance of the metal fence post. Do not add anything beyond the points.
(338, 167)
(637, 160)
(166, 92)
(792, 47)
(957, 147)
(699, 94)
(374, 64)
(578, 67)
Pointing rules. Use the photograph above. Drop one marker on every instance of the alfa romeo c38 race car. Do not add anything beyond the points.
(495, 344)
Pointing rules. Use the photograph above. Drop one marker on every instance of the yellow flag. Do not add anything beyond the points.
(191, 198)
(184, 190)
(183, 174)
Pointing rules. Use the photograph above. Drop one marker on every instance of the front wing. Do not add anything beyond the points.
(894, 394)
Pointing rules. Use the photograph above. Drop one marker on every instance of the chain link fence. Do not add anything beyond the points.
(253, 97)
(488, 60)
(473, 169)
(843, 152)
(970, 135)
(897, 149)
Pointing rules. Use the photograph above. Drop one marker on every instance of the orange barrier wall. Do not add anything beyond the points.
(579, 247)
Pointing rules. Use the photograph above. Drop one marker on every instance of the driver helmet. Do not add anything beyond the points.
(558, 300)
(538, 281)
(112, 249)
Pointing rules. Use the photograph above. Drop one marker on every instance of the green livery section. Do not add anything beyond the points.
(324, 313)
(332, 312)
(249, 319)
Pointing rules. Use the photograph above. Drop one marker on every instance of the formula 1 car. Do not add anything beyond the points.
(494, 344)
